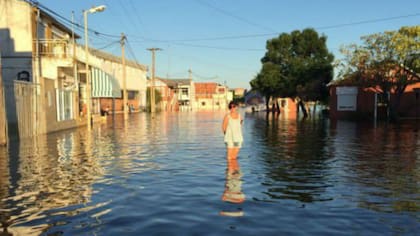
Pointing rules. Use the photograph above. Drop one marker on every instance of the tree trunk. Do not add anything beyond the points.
(277, 106)
(301, 104)
(267, 103)
(394, 116)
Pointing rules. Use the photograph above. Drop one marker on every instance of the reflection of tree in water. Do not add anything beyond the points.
(384, 169)
(295, 157)
(50, 174)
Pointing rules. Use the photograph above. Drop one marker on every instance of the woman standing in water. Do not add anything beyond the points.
(232, 129)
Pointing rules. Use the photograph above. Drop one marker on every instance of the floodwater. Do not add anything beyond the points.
(168, 175)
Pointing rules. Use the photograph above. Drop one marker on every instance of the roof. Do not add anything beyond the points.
(352, 81)
(110, 57)
(205, 90)
(54, 21)
(172, 83)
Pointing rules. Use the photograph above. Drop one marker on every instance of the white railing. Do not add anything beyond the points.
(53, 47)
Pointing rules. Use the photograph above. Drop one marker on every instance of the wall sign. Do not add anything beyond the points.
(346, 98)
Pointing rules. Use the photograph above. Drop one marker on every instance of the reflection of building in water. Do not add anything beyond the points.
(4, 186)
(51, 174)
(379, 162)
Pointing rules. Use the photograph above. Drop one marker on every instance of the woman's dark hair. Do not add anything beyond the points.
(232, 104)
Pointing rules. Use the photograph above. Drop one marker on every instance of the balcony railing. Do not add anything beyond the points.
(58, 48)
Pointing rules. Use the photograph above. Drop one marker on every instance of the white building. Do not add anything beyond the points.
(44, 75)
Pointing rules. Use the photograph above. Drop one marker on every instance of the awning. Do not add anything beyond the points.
(104, 85)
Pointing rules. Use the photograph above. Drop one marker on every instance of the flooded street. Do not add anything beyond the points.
(168, 175)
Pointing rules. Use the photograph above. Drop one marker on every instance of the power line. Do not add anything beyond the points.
(224, 12)
(180, 42)
(367, 21)
(109, 45)
(277, 33)
(137, 15)
(205, 78)
(68, 22)
(213, 47)
(130, 50)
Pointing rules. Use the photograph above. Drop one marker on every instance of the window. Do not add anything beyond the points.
(23, 76)
(132, 95)
(185, 91)
(64, 105)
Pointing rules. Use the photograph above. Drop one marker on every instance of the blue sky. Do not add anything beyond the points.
(223, 40)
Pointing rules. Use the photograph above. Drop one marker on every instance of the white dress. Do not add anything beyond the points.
(233, 135)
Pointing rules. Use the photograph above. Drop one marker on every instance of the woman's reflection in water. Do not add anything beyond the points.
(233, 187)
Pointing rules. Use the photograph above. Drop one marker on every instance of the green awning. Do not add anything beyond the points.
(104, 85)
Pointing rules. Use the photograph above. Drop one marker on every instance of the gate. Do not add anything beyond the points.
(3, 120)
(26, 98)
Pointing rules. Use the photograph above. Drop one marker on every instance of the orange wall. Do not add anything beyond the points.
(365, 104)
(105, 102)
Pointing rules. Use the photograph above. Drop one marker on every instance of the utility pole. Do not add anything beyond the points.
(88, 85)
(152, 88)
(75, 74)
(190, 92)
(124, 79)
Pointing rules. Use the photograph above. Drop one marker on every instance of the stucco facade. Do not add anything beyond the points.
(39, 52)
(211, 96)
(35, 49)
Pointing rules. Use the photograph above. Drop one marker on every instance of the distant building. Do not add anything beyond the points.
(169, 101)
(239, 92)
(349, 101)
(108, 84)
(211, 96)
(183, 93)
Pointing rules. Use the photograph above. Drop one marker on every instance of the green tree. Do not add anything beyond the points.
(158, 98)
(296, 65)
(268, 82)
(387, 61)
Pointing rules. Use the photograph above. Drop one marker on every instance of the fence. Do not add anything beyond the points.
(3, 120)
(26, 98)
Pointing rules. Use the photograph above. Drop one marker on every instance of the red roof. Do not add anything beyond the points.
(205, 90)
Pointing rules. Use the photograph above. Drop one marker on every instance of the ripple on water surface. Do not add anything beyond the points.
(168, 175)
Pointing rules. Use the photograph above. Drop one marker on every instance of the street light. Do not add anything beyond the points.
(88, 88)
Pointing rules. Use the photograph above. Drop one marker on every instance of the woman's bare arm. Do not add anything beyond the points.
(225, 123)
